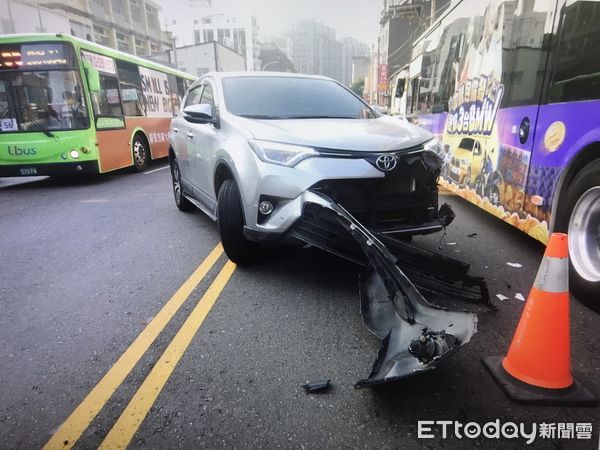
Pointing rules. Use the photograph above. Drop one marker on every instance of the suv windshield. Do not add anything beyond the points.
(271, 97)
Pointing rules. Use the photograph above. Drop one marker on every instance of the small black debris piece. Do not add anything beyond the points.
(472, 235)
(316, 387)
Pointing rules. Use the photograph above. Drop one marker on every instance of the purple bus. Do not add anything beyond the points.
(512, 90)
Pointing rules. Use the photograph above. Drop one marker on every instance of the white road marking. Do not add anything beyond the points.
(156, 170)
(15, 181)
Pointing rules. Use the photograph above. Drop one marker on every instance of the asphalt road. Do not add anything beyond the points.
(87, 266)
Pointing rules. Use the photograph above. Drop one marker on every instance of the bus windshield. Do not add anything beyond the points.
(48, 99)
(40, 89)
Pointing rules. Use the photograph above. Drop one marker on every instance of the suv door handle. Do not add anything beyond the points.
(189, 134)
(175, 130)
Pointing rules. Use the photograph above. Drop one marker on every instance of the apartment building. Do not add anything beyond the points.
(132, 26)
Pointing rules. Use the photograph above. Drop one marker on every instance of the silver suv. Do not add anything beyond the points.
(249, 148)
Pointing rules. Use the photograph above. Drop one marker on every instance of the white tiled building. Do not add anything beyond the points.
(132, 26)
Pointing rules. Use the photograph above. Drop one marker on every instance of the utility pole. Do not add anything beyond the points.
(216, 58)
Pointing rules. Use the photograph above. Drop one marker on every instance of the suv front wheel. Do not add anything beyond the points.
(231, 224)
(180, 200)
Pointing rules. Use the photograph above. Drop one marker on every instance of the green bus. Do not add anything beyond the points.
(69, 106)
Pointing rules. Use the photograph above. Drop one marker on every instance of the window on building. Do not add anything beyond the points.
(131, 89)
(118, 7)
(124, 46)
(223, 36)
(209, 35)
(102, 4)
(411, 96)
(152, 17)
(7, 26)
(100, 35)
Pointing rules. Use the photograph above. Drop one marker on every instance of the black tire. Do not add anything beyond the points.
(182, 203)
(140, 152)
(585, 291)
(231, 225)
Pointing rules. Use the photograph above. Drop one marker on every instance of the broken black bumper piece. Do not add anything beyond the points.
(415, 335)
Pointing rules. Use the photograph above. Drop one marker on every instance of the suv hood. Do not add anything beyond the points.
(373, 135)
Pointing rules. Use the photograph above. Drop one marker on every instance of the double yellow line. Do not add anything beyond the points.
(135, 412)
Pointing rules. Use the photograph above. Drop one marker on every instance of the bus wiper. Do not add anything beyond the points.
(40, 127)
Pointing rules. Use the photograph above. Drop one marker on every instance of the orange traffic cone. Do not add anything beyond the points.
(537, 368)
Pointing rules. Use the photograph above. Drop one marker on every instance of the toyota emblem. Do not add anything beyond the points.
(386, 163)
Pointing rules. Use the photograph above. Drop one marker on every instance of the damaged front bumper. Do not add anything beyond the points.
(415, 335)
(400, 202)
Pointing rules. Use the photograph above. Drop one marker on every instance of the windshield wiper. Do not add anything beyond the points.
(259, 116)
(320, 117)
(40, 127)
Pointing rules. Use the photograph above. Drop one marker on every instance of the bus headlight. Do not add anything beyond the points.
(74, 154)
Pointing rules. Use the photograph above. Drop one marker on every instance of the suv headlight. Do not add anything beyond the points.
(280, 153)
(434, 146)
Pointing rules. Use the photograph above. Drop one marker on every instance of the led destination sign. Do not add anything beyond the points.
(35, 56)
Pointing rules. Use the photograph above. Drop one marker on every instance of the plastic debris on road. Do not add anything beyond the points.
(316, 386)
(415, 334)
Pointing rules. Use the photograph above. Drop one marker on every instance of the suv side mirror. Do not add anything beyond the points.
(200, 113)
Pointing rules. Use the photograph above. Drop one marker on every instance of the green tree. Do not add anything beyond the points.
(358, 87)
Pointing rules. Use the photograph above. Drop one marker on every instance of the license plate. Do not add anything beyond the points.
(28, 171)
(454, 170)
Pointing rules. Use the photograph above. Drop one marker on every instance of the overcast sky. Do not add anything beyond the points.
(358, 19)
